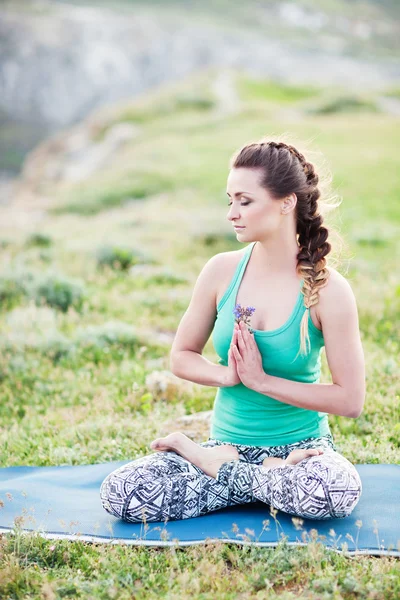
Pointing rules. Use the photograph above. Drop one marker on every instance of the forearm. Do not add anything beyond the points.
(195, 367)
(324, 397)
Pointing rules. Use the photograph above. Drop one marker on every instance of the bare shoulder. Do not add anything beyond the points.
(217, 271)
(337, 294)
(221, 266)
(337, 284)
(225, 264)
(229, 259)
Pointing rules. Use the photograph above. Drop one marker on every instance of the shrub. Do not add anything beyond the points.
(14, 284)
(46, 255)
(118, 257)
(213, 238)
(60, 292)
(155, 274)
(10, 289)
(34, 327)
(56, 346)
(99, 344)
(345, 104)
(112, 333)
(53, 289)
(193, 101)
(39, 239)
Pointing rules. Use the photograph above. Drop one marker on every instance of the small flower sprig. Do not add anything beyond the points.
(244, 314)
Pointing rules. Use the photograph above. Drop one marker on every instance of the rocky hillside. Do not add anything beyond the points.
(60, 61)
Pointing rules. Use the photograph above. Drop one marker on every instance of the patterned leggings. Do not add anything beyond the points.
(165, 486)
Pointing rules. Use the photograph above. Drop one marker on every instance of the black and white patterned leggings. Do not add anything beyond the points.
(165, 486)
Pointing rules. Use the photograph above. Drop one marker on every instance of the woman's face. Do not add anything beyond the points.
(251, 206)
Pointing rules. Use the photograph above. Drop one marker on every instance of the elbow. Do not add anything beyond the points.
(355, 415)
(356, 409)
(173, 364)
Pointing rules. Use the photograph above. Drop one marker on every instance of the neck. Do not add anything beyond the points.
(277, 255)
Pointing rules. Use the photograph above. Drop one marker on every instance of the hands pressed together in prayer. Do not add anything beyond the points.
(244, 358)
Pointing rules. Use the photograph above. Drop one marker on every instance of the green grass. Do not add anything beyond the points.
(346, 104)
(89, 199)
(73, 384)
(253, 89)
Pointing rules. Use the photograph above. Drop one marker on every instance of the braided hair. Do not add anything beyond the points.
(284, 171)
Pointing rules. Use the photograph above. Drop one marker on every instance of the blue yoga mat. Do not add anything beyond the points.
(64, 502)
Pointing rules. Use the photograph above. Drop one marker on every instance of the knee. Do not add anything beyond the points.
(112, 494)
(328, 490)
(344, 492)
(121, 490)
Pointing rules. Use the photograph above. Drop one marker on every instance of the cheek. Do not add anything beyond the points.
(265, 218)
(258, 214)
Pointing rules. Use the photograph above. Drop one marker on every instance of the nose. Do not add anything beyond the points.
(233, 214)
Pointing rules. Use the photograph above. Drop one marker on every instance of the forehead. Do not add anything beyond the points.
(240, 180)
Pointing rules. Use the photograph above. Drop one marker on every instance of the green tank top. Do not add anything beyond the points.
(244, 416)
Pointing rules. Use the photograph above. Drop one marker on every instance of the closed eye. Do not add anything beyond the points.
(242, 204)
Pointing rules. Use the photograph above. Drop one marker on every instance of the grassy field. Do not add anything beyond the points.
(92, 294)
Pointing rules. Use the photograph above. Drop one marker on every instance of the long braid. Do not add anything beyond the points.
(285, 170)
(312, 236)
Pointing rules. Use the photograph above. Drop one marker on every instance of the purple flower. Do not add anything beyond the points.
(243, 314)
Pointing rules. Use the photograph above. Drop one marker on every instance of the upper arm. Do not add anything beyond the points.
(198, 321)
(337, 311)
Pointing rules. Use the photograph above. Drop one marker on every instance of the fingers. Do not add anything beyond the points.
(234, 341)
(236, 354)
(237, 344)
(234, 336)
(233, 346)
(231, 355)
(242, 342)
(241, 337)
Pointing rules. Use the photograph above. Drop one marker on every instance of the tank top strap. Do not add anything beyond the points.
(242, 266)
(237, 276)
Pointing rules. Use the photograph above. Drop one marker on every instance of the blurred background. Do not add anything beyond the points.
(61, 60)
(117, 123)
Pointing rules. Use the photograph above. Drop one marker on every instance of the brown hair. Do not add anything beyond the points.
(285, 171)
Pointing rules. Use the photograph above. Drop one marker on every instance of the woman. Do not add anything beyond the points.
(270, 438)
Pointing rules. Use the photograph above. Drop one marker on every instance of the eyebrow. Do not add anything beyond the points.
(239, 194)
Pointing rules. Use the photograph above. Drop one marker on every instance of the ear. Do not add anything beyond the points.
(289, 203)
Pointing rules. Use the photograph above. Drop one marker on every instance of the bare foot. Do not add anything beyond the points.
(208, 460)
(297, 455)
(293, 458)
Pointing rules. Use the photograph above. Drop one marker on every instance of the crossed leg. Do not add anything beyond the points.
(165, 486)
(318, 487)
(168, 486)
